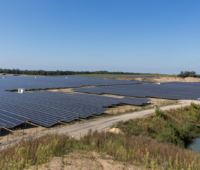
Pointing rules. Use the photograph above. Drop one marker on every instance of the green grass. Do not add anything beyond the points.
(178, 126)
(118, 75)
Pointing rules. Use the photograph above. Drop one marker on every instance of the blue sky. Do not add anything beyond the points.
(147, 36)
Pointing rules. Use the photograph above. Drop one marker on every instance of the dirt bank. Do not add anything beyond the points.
(164, 79)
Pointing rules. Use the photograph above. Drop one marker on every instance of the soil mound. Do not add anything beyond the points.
(116, 131)
(192, 79)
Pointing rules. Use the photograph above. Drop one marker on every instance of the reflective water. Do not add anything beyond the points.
(195, 146)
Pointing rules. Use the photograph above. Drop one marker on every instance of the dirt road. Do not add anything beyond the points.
(78, 130)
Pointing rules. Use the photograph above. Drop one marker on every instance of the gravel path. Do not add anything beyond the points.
(78, 130)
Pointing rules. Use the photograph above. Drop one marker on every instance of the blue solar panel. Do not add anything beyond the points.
(47, 108)
(172, 90)
(15, 82)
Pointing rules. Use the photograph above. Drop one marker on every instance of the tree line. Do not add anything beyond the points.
(58, 72)
(188, 74)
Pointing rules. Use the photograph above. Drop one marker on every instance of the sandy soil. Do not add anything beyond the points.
(21, 132)
(67, 90)
(116, 131)
(164, 79)
(85, 160)
(153, 102)
(177, 79)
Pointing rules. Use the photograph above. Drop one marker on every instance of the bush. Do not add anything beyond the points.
(171, 134)
(193, 105)
(158, 112)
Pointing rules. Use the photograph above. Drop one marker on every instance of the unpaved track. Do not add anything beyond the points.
(78, 130)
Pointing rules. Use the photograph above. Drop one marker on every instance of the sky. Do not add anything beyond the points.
(143, 36)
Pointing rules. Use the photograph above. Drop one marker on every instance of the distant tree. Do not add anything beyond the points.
(59, 73)
(188, 74)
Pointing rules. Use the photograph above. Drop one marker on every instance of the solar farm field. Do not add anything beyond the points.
(49, 108)
(15, 82)
(172, 90)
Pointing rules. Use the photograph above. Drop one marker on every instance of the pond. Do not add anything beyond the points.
(195, 146)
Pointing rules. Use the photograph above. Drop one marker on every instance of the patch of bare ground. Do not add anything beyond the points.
(115, 131)
(131, 108)
(177, 79)
(85, 160)
(67, 90)
(163, 79)
(110, 95)
(22, 132)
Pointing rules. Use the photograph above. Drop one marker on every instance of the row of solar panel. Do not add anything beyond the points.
(15, 82)
(48, 108)
(172, 90)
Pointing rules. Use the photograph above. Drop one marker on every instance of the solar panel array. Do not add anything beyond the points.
(172, 90)
(48, 108)
(15, 82)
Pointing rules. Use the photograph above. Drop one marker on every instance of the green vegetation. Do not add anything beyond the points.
(178, 126)
(153, 142)
(79, 73)
(136, 150)
(188, 74)
(120, 75)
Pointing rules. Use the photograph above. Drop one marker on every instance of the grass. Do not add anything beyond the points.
(177, 126)
(119, 75)
(143, 151)
(96, 75)
(140, 151)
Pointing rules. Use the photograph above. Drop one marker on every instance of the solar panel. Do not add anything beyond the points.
(15, 82)
(47, 108)
(172, 90)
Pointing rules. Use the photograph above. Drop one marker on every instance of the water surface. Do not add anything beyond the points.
(195, 146)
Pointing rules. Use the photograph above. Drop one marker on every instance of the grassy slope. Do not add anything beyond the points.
(178, 126)
(136, 150)
(136, 147)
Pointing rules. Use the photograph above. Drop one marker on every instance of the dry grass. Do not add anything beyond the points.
(143, 151)
(131, 108)
(91, 152)
(32, 152)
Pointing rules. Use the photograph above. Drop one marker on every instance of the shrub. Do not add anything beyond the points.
(171, 134)
(158, 112)
(195, 106)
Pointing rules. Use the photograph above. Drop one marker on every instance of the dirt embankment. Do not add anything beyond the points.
(177, 79)
(164, 79)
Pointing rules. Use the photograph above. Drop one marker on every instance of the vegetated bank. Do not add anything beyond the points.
(178, 126)
(138, 151)
(149, 143)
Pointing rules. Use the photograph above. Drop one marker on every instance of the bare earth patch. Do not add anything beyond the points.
(84, 160)
(163, 79)
(153, 102)
(21, 132)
